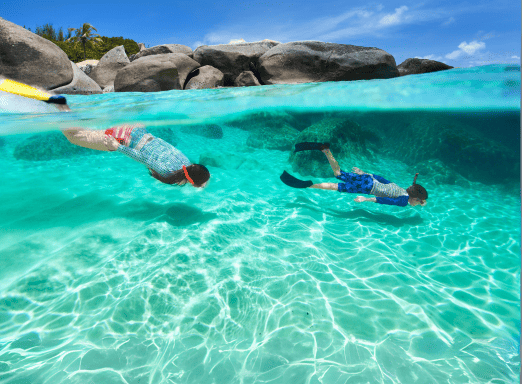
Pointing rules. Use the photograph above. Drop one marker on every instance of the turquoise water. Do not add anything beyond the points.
(108, 276)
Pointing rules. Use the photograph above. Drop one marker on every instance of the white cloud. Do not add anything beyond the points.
(515, 57)
(430, 57)
(371, 20)
(394, 18)
(451, 20)
(465, 48)
(454, 55)
(481, 36)
(472, 47)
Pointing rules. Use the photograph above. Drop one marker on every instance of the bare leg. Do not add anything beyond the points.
(333, 163)
(330, 186)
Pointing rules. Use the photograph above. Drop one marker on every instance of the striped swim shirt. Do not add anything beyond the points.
(154, 152)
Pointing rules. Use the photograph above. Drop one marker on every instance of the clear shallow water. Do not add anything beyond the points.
(108, 276)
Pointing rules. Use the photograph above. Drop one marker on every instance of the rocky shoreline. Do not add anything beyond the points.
(35, 61)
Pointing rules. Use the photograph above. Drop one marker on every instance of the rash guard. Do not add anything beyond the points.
(154, 152)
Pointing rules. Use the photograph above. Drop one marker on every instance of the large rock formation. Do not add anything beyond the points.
(211, 131)
(87, 65)
(232, 59)
(416, 66)
(315, 61)
(31, 59)
(49, 146)
(461, 147)
(205, 77)
(281, 137)
(246, 79)
(348, 141)
(163, 49)
(155, 73)
(229, 160)
(80, 85)
(108, 66)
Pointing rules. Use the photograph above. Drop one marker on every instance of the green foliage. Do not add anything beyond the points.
(93, 49)
(48, 32)
(85, 37)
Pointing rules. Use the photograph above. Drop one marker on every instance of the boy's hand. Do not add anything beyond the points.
(357, 170)
(111, 143)
(359, 199)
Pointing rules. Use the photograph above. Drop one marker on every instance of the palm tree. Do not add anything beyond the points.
(85, 36)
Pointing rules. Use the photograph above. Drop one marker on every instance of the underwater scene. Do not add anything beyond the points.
(109, 276)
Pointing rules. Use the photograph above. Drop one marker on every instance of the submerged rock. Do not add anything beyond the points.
(212, 131)
(253, 121)
(460, 147)
(281, 137)
(229, 161)
(438, 173)
(166, 133)
(49, 146)
(348, 143)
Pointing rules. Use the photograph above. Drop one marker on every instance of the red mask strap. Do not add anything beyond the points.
(187, 175)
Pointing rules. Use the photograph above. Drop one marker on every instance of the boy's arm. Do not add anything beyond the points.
(360, 199)
(401, 201)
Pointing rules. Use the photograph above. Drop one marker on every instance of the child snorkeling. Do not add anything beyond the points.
(361, 182)
(165, 162)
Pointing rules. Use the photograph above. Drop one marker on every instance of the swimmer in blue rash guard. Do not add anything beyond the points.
(165, 162)
(362, 182)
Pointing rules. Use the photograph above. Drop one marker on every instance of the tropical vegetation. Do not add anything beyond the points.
(84, 44)
(84, 36)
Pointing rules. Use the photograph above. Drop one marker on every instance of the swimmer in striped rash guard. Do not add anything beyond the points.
(165, 162)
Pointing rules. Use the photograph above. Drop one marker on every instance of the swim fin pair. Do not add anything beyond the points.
(293, 182)
(308, 146)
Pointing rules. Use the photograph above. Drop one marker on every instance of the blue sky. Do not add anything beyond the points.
(458, 33)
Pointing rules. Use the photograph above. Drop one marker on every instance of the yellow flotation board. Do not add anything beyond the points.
(25, 90)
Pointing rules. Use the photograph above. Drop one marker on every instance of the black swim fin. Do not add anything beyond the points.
(308, 146)
(291, 181)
